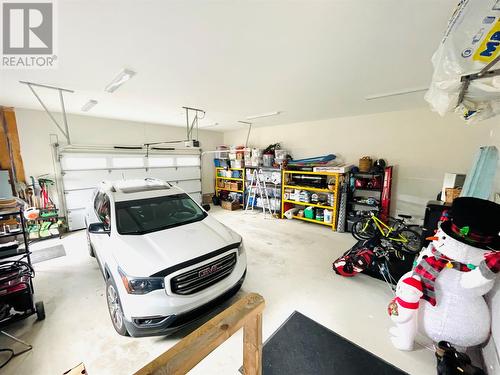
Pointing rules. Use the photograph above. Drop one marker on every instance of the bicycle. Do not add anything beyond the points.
(396, 231)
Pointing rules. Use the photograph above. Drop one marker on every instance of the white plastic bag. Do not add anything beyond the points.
(471, 41)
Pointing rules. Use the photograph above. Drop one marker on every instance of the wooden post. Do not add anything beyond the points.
(187, 353)
(10, 149)
(252, 346)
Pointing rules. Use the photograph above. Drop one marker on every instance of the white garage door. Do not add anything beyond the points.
(82, 172)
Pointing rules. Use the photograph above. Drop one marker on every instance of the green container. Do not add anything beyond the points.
(309, 213)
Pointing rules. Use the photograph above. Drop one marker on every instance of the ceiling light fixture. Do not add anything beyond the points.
(263, 115)
(395, 93)
(211, 125)
(119, 80)
(89, 105)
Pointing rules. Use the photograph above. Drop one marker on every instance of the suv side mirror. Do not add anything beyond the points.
(206, 207)
(98, 228)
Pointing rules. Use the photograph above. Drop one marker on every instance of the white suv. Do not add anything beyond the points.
(166, 261)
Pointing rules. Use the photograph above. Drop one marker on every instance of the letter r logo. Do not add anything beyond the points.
(27, 28)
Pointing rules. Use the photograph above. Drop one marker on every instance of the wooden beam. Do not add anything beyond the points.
(252, 346)
(10, 148)
(188, 352)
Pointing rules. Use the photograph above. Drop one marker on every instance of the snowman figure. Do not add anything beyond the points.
(457, 269)
(403, 312)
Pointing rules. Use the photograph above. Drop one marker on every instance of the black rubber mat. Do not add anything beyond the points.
(302, 346)
(52, 252)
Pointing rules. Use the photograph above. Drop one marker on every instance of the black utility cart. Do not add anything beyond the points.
(16, 272)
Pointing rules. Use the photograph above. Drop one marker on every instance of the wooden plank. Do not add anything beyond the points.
(4, 149)
(188, 352)
(13, 136)
(8, 132)
(252, 346)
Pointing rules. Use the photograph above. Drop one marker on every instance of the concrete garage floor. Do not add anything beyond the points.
(289, 263)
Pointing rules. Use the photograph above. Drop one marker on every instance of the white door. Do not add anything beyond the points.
(83, 171)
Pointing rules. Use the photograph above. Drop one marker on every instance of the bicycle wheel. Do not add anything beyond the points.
(364, 229)
(413, 242)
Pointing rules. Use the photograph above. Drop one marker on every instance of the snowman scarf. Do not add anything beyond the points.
(429, 268)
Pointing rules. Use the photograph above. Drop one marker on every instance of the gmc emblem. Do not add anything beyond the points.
(207, 271)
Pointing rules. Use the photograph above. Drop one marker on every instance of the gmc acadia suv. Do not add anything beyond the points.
(165, 260)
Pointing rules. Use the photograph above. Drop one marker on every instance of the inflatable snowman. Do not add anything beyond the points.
(456, 270)
(403, 312)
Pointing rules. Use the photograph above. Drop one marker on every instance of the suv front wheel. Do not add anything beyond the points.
(115, 308)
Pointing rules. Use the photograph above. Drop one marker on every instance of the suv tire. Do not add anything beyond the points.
(115, 308)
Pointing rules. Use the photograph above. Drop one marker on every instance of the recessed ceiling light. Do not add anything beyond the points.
(263, 115)
(119, 80)
(89, 105)
(210, 125)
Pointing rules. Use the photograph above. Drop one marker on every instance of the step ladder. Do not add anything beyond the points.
(258, 186)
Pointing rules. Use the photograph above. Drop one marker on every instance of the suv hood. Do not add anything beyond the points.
(146, 254)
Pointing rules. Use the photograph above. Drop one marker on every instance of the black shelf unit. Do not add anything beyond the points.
(365, 192)
(17, 213)
(375, 207)
(24, 296)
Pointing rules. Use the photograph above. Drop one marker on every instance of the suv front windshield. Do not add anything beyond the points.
(153, 214)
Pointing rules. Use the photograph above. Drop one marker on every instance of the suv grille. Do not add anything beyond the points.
(202, 277)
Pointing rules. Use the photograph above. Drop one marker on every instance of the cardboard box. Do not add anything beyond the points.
(451, 194)
(206, 198)
(231, 206)
(451, 180)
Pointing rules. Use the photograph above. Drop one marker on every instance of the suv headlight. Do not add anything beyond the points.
(140, 285)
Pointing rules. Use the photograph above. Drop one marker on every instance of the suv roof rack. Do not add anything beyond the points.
(136, 186)
(161, 182)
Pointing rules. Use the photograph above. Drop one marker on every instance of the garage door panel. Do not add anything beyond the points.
(77, 199)
(83, 172)
(173, 174)
(76, 219)
(189, 186)
(120, 174)
(166, 174)
(84, 179)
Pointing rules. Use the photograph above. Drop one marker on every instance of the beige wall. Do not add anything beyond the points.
(420, 144)
(35, 128)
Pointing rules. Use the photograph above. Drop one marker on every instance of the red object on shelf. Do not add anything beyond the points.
(360, 183)
(385, 200)
(375, 183)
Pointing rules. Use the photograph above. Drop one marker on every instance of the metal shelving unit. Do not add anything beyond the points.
(19, 296)
(241, 180)
(274, 191)
(372, 192)
(6, 213)
(333, 178)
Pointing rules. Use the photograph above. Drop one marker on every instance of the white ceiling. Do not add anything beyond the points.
(309, 59)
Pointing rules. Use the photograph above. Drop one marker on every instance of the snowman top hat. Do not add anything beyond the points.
(475, 222)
